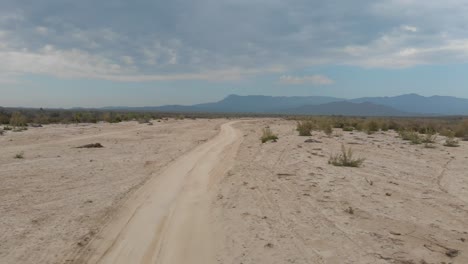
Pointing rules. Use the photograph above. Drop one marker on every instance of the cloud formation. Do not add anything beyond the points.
(224, 39)
(312, 79)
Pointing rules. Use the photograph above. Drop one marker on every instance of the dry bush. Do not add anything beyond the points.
(429, 138)
(372, 127)
(267, 135)
(411, 136)
(451, 142)
(18, 120)
(304, 128)
(326, 126)
(345, 158)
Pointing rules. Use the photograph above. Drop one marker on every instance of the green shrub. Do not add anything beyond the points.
(348, 128)
(345, 158)
(6, 128)
(268, 135)
(304, 128)
(19, 155)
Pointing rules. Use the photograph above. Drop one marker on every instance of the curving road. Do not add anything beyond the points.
(167, 221)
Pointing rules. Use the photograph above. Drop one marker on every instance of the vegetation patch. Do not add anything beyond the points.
(305, 127)
(451, 142)
(268, 135)
(345, 158)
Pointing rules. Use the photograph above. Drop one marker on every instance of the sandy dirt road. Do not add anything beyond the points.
(167, 221)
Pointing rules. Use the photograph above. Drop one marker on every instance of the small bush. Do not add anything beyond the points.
(348, 129)
(7, 128)
(326, 127)
(345, 159)
(18, 120)
(19, 155)
(372, 127)
(429, 138)
(304, 128)
(451, 142)
(268, 136)
(411, 136)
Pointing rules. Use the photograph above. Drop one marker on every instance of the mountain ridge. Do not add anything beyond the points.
(401, 105)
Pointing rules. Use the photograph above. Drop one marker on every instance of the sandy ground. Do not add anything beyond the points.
(282, 202)
(55, 200)
(193, 191)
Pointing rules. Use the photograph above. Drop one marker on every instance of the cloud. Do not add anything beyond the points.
(172, 40)
(409, 28)
(312, 79)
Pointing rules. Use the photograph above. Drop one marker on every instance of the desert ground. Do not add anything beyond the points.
(208, 191)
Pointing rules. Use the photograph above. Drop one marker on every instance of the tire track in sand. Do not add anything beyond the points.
(167, 220)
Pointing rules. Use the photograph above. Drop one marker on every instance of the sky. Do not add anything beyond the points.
(62, 53)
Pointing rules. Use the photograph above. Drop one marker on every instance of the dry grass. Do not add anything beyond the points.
(304, 128)
(451, 142)
(345, 159)
(268, 135)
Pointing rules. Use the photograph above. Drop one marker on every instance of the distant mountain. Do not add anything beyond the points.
(347, 109)
(403, 105)
(413, 103)
(263, 104)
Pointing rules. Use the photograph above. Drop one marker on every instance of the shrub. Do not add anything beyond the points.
(2, 132)
(18, 120)
(268, 135)
(348, 128)
(451, 142)
(19, 155)
(7, 128)
(410, 136)
(384, 126)
(304, 128)
(326, 127)
(372, 127)
(345, 158)
(462, 130)
(429, 138)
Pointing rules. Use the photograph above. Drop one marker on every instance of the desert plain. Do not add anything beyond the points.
(209, 191)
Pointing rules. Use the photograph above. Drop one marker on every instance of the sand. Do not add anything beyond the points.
(283, 203)
(193, 191)
(56, 199)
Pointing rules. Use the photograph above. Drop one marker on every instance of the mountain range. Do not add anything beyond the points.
(403, 105)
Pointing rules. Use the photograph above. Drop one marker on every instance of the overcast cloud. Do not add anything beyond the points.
(218, 40)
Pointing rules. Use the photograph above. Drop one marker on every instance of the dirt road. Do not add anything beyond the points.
(167, 220)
